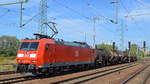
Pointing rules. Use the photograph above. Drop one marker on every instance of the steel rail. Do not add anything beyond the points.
(133, 75)
(101, 73)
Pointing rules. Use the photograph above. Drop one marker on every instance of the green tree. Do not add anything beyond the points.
(135, 50)
(8, 46)
(106, 46)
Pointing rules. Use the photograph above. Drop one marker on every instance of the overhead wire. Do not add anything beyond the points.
(130, 16)
(76, 12)
(91, 6)
(5, 13)
(145, 8)
(138, 5)
(71, 9)
(88, 18)
(17, 12)
(140, 14)
(128, 12)
(103, 17)
(27, 22)
(106, 28)
(143, 3)
(11, 10)
(138, 10)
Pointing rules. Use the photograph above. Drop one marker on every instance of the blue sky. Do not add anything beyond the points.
(74, 25)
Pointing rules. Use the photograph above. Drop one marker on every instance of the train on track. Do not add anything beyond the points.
(47, 55)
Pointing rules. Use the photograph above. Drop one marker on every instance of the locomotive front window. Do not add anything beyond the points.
(29, 46)
(24, 46)
(34, 46)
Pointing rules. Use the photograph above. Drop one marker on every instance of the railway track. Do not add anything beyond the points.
(17, 79)
(91, 76)
(135, 74)
(8, 68)
(146, 78)
(7, 72)
(104, 72)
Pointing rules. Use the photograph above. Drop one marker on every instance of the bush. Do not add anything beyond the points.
(8, 46)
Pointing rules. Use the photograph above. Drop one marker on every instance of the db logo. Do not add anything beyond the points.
(76, 53)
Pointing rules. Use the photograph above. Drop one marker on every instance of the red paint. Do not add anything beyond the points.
(57, 53)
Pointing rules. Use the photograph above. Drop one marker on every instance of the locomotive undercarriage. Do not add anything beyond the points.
(26, 68)
(100, 61)
(30, 68)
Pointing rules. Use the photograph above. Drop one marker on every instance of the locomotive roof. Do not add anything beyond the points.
(74, 43)
(62, 42)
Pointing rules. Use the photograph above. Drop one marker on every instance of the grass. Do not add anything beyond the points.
(7, 60)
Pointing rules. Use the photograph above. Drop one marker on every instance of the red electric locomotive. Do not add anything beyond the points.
(48, 55)
(45, 55)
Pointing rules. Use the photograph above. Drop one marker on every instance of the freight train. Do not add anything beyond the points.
(47, 55)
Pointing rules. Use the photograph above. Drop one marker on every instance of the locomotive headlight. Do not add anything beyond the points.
(20, 61)
(33, 61)
(20, 55)
(32, 55)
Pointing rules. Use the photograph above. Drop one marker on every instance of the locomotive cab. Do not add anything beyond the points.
(30, 54)
(28, 51)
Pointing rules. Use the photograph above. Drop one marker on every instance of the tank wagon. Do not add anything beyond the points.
(47, 55)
